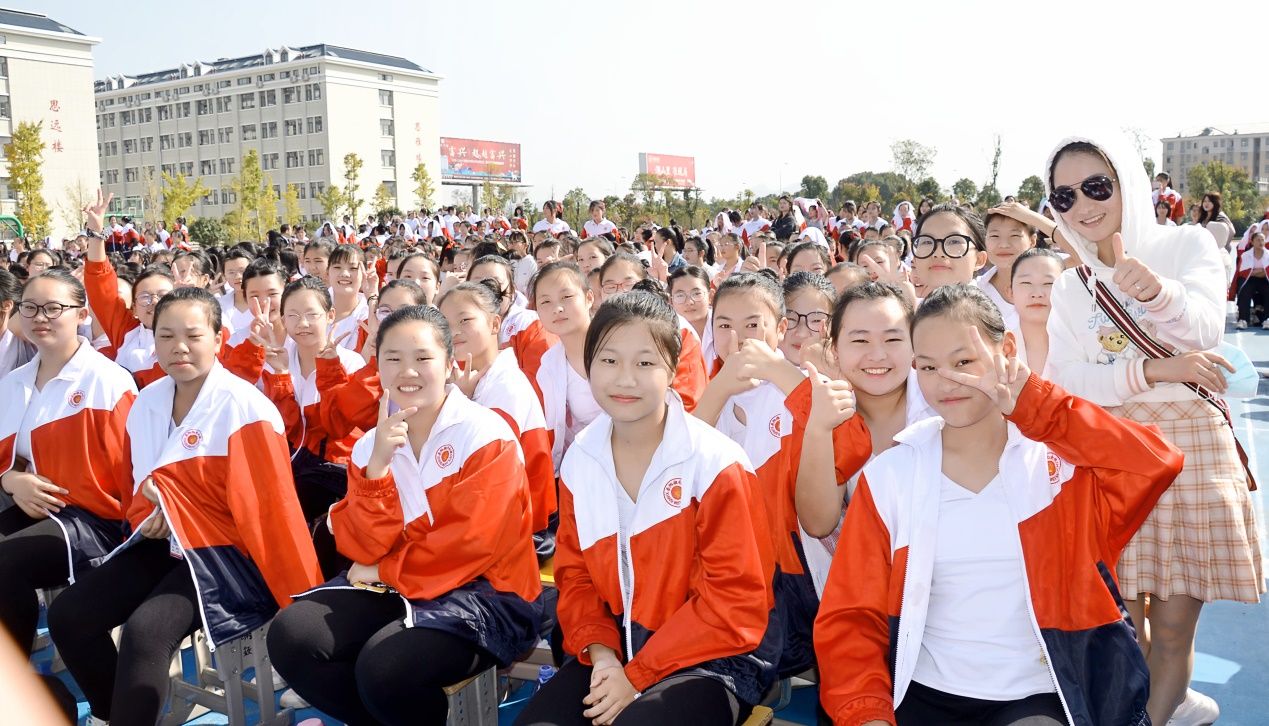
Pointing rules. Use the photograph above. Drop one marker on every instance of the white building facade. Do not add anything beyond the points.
(46, 76)
(303, 109)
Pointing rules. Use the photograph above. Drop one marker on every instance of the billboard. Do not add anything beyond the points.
(475, 161)
(679, 170)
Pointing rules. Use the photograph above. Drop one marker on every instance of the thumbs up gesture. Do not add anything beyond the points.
(832, 402)
(1132, 276)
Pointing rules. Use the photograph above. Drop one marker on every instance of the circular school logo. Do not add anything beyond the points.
(774, 426)
(191, 439)
(673, 492)
(1055, 468)
(445, 456)
(76, 399)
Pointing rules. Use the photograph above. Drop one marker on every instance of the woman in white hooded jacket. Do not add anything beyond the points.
(1201, 541)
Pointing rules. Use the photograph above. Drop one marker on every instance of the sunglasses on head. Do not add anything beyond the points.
(1097, 187)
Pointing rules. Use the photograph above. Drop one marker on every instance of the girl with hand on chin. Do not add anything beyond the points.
(664, 565)
(437, 523)
(974, 581)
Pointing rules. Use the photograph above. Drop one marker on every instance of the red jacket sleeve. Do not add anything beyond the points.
(582, 612)
(690, 378)
(529, 345)
(727, 614)
(1132, 463)
(281, 391)
(852, 630)
(111, 311)
(266, 511)
(245, 360)
(352, 405)
(540, 470)
(852, 441)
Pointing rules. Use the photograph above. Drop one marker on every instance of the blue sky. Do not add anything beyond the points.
(759, 93)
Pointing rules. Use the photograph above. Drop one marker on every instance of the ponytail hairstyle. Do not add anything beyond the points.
(636, 306)
(966, 303)
(673, 235)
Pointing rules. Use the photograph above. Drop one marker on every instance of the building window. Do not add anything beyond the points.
(109, 118)
(126, 118)
(313, 124)
(169, 169)
(248, 132)
(266, 77)
(269, 130)
(182, 110)
(244, 81)
(391, 186)
(185, 139)
(316, 157)
(187, 168)
(291, 94)
(206, 167)
(112, 148)
(5, 112)
(294, 160)
(130, 174)
(388, 157)
(227, 165)
(293, 126)
(147, 143)
(206, 136)
(246, 100)
(129, 146)
(204, 106)
(166, 142)
(385, 77)
(112, 176)
(268, 161)
(268, 98)
(385, 98)
(145, 115)
(228, 196)
(224, 104)
(225, 135)
(211, 197)
(315, 189)
(313, 91)
(387, 127)
(4, 67)
(165, 113)
(301, 191)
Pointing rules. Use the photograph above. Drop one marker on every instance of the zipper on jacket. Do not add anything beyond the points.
(198, 594)
(627, 588)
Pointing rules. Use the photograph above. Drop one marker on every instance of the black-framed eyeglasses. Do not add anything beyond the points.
(611, 288)
(1097, 187)
(814, 321)
(51, 310)
(954, 246)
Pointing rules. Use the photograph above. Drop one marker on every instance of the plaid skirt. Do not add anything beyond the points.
(1201, 540)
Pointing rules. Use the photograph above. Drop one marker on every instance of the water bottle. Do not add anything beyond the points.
(544, 674)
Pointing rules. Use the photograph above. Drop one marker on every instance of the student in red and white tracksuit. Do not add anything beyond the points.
(974, 581)
(598, 224)
(495, 380)
(551, 223)
(62, 453)
(437, 523)
(521, 329)
(218, 541)
(663, 565)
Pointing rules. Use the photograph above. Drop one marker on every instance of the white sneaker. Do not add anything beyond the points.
(1241, 325)
(292, 700)
(278, 681)
(1198, 709)
(94, 721)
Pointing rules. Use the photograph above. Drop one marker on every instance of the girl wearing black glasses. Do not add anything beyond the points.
(62, 453)
(1200, 543)
(948, 248)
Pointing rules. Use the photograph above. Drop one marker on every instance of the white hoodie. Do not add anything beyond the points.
(1087, 354)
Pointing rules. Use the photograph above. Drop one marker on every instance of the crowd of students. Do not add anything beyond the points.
(972, 469)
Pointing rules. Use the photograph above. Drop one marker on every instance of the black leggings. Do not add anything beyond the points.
(349, 654)
(32, 556)
(683, 700)
(152, 595)
(925, 706)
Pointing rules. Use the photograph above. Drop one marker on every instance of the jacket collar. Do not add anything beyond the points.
(678, 443)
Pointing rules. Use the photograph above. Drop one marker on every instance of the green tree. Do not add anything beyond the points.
(151, 192)
(267, 216)
(576, 203)
(813, 187)
(891, 187)
(331, 200)
(383, 200)
(25, 154)
(352, 172)
(912, 159)
(988, 197)
(257, 210)
(965, 190)
(423, 188)
(929, 187)
(1239, 197)
(1031, 191)
(292, 212)
(179, 195)
(1148, 163)
(207, 232)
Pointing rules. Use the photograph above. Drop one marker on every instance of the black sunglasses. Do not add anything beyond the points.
(1097, 187)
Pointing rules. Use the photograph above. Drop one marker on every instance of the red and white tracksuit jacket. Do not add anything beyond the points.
(591, 229)
(299, 398)
(224, 481)
(700, 564)
(1079, 481)
(505, 389)
(77, 442)
(523, 333)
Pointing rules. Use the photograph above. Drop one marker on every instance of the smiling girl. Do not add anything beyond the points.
(346, 274)
(661, 533)
(948, 247)
(974, 579)
(1034, 274)
(1006, 239)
